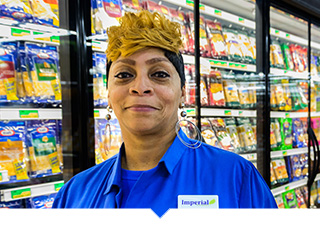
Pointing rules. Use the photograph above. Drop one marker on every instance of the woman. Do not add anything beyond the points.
(154, 168)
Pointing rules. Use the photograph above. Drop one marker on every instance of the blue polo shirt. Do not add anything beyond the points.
(206, 170)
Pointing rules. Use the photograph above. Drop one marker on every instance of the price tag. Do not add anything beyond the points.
(287, 114)
(191, 112)
(96, 113)
(227, 112)
(21, 193)
(19, 32)
(29, 113)
(204, 66)
(241, 20)
(284, 153)
(276, 32)
(288, 36)
(189, 3)
(232, 65)
(287, 188)
(202, 7)
(217, 12)
(55, 39)
(58, 186)
(240, 113)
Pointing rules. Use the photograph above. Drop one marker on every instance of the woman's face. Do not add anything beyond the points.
(144, 91)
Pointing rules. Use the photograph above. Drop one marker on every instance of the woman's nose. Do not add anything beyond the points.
(141, 86)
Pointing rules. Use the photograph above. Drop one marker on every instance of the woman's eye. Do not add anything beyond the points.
(160, 75)
(123, 75)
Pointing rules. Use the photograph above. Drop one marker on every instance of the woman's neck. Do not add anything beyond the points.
(145, 152)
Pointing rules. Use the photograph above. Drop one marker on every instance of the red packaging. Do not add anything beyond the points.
(215, 89)
(132, 5)
(204, 46)
(190, 85)
(297, 60)
(203, 90)
(155, 7)
(218, 46)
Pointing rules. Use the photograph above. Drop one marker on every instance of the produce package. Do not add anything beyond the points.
(276, 57)
(246, 47)
(231, 95)
(215, 89)
(218, 46)
(289, 65)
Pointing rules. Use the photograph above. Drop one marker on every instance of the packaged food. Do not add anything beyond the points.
(303, 158)
(180, 17)
(43, 65)
(299, 101)
(16, 9)
(298, 63)
(42, 145)
(233, 133)
(300, 198)
(305, 193)
(290, 199)
(12, 204)
(132, 5)
(59, 142)
(273, 179)
(203, 90)
(234, 52)
(313, 195)
(41, 202)
(294, 167)
(9, 73)
(253, 122)
(314, 70)
(203, 41)
(279, 201)
(253, 93)
(246, 134)
(279, 96)
(246, 47)
(100, 95)
(304, 58)
(298, 140)
(273, 140)
(13, 153)
(220, 130)
(286, 133)
(315, 125)
(276, 55)
(244, 95)
(280, 170)
(304, 122)
(218, 46)
(45, 12)
(289, 65)
(230, 89)
(208, 134)
(252, 48)
(190, 85)
(215, 89)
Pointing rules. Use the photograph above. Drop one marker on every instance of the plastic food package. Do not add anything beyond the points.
(275, 128)
(208, 134)
(273, 179)
(299, 65)
(290, 199)
(277, 98)
(315, 125)
(13, 153)
(287, 57)
(203, 91)
(234, 52)
(218, 46)
(10, 79)
(45, 12)
(132, 5)
(245, 47)
(276, 58)
(244, 95)
(314, 63)
(215, 89)
(223, 136)
(300, 199)
(293, 167)
(252, 48)
(231, 93)
(279, 201)
(42, 63)
(298, 134)
(286, 133)
(16, 9)
(233, 133)
(100, 95)
(246, 134)
(42, 145)
(303, 158)
(11, 205)
(41, 202)
(190, 85)
(280, 170)
(299, 100)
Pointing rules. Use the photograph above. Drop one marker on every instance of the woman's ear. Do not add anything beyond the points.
(183, 94)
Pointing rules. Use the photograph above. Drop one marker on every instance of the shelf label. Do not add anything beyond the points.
(217, 12)
(96, 113)
(55, 39)
(227, 112)
(232, 65)
(21, 193)
(287, 114)
(202, 7)
(1, 177)
(287, 188)
(218, 63)
(241, 20)
(189, 3)
(29, 113)
(276, 32)
(19, 32)
(284, 153)
(240, 113)
(42, 38)
(58, 186)
(288, 36)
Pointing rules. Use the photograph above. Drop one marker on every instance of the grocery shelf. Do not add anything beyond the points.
(213, 112)
(283, 114)
(30, 114)
(250, 156)
(29, 191)
(291, 74)
(315, 114)
(289, 186)
(295, 151)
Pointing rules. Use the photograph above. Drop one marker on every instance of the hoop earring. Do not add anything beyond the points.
(185, 122)
(107, 131)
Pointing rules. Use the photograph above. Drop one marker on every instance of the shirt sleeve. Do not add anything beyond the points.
(255, 193)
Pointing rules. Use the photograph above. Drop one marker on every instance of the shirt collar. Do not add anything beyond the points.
(169, 160)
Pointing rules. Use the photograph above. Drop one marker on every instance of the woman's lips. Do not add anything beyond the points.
(141, 108)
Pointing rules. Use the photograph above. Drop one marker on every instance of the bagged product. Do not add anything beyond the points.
(246, 134)
(287, 96)
(294, 167)
(298, 62)
(253, 122)
(300, 198)
(16, 9)
(131, 5)
(314, 69)
(234, 52)
(13, 153)
(290, 199)
(273, 179)
(298, 140)
(203, 90)
(233, 133)
(244, 95)
(9, 73)
(279, 201)
(12, 204)
(208, 134)
(303, 158)
(252, 47)
(315, 125)
(273, 140)
(286, 133)
(299, 100)
(42, 145)
(41, 202)
(276, 58)
(43, 65)
(190, 85)
(280, 170)
(46, 12)
(276, 138)
(59, 142)
(287, 57)
(218, 46)
(220, 130)
(215, 89)
(230, 89)
(245, 47)
(100, 95)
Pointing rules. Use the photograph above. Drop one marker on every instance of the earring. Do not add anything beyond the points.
(107, 131)
(189, 128)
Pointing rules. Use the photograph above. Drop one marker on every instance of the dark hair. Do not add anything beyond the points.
(175, 59)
